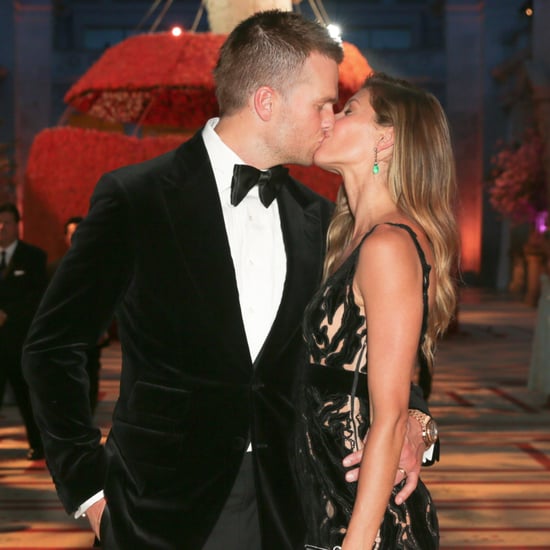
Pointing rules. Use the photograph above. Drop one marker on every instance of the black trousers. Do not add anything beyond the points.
(10, 371)
(238, 526)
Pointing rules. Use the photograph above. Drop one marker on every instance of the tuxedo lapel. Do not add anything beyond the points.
(304, 242)
(195, 210)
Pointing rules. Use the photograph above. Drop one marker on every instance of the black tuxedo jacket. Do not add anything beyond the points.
(154, 249)
(21, 286)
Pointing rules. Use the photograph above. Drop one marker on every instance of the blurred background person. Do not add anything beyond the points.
(69, 227)
(22, 282)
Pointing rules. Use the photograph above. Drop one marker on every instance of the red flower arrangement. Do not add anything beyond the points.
(161, 79)
(152, 79)
(517, 185)
(65, 163)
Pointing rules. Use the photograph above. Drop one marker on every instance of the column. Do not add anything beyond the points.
(464, 55)
(32, 78)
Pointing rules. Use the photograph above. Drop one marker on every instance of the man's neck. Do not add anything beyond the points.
(247, 144)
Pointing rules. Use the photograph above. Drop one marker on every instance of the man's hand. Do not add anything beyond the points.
(410, 461)
(3, 317)
(94, 513)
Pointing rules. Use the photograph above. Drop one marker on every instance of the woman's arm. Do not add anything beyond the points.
(388, 285)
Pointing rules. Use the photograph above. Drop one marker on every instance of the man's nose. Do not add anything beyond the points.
(328, 120)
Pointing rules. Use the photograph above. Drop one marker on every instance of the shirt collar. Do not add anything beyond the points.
(10, 249)
(222, 158)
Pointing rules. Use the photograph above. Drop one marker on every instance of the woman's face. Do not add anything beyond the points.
(353, 139)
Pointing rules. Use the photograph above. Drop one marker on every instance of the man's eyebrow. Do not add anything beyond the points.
(329, 99)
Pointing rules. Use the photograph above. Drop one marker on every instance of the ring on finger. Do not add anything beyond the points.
(403, 471)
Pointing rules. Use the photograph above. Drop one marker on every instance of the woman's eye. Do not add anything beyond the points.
(347, 112)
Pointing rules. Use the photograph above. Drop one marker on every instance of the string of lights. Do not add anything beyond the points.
(316, 7)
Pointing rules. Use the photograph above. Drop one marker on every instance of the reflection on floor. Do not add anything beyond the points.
(492, 486)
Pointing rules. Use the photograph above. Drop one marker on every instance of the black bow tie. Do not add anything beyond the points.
(246, 177)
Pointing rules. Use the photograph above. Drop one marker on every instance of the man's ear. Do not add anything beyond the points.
(263, 102)
(386, 139)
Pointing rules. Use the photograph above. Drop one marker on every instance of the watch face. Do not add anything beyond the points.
(431, 431)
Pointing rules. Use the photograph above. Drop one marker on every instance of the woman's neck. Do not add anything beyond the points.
(369, 201)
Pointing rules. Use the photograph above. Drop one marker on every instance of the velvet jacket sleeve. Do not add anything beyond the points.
(77, 307)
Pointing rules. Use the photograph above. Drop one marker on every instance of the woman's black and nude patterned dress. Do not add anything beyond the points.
(334, 418)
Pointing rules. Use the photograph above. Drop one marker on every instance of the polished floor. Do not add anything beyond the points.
(492, 485)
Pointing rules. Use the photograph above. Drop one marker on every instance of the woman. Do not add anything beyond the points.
(387, 295)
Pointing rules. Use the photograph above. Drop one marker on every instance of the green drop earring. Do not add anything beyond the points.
(375, 168)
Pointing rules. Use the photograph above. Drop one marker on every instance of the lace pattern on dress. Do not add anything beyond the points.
(334, 418)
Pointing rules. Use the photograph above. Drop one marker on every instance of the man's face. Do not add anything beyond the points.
(306, 113)
(9, 229)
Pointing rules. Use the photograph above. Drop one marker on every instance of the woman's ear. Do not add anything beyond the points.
(386, 139)
(263, 102)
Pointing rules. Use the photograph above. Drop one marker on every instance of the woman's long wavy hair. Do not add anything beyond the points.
(422, 183)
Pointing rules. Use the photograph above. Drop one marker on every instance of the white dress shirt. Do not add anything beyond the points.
(256, 243)
(9, 250)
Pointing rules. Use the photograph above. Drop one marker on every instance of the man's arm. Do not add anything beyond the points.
(77, 307)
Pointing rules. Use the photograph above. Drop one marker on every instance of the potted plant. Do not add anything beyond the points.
(517, 190)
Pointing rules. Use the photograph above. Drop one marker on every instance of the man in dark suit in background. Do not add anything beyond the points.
(209, 285)
(69, 227)
(22, 282)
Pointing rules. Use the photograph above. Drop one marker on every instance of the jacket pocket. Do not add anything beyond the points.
(159, 402)
(142, 445)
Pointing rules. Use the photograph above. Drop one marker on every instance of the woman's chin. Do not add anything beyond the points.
(319, 161)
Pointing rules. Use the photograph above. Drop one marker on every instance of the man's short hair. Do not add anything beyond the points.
(268, 49)
(10, 207)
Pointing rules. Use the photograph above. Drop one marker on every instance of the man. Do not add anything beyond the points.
(22, 282)
(69, 227)
(209, 286)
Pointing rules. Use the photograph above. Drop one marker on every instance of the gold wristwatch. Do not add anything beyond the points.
(430, 432)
